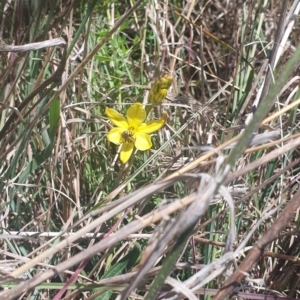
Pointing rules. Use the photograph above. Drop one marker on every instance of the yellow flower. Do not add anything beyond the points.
(159, 90)
(132, 131)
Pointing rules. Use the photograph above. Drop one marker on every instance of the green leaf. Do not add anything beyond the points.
(122, 266)
(126, 263)
(37, 161)
(41, 157)
(54, 118)
(103, 58)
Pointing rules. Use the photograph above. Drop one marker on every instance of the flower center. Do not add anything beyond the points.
(128, 137)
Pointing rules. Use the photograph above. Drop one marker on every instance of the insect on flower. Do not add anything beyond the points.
(132, 131)
(128, 137)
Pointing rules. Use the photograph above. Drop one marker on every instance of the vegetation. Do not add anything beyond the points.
(209, 208)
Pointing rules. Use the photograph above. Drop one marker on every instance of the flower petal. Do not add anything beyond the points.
(136, 115)
(143, 141)
(115, 135)
(152, 126)
(126, 151)
(116, 118)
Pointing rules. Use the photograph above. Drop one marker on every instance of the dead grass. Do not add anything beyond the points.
(210, 212)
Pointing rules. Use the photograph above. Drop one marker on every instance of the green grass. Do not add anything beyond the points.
(123, 229)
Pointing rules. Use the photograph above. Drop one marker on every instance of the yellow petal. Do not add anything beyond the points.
(152, 126)
(143, 141)
(126, 151)
(116, 118)
(136, 115)
(115, 135)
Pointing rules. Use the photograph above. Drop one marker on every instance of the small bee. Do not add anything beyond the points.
(128, 137)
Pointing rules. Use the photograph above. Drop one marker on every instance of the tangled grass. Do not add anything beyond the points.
(211, 211)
